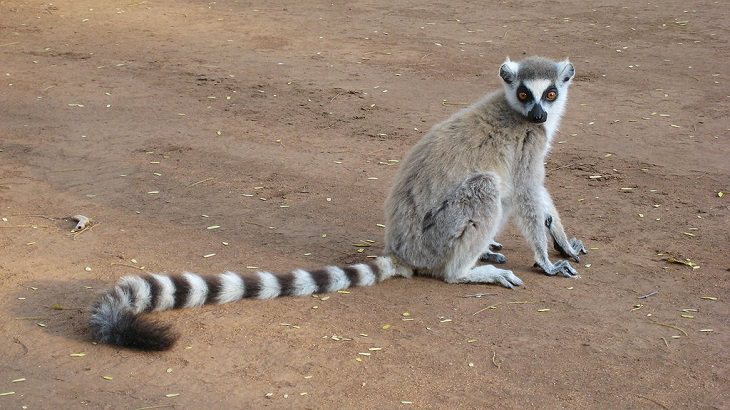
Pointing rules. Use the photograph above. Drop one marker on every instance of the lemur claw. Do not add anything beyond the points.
(561, 267)
(493, 257)
(576, 246)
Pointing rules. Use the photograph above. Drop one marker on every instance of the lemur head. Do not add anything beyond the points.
(537, 87)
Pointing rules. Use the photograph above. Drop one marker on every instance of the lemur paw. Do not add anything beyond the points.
(509, 279)
(493, 257)
(561, 267)
(495, 246)
(576, 248)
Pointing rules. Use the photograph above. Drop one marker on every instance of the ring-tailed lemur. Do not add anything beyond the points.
(453, 192)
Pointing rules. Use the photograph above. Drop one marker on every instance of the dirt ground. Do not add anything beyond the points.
(281, 123)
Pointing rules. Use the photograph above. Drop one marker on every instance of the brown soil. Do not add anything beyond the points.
(231, 110)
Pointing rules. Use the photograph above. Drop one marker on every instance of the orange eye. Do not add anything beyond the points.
(551, 96)
(522, 96)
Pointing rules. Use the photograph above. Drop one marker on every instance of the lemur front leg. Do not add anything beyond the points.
(569, 248)
(530, 216)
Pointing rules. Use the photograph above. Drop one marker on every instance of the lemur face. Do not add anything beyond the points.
(536, 97)
(535, 87)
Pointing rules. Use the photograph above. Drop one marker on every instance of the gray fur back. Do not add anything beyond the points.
(472, 141)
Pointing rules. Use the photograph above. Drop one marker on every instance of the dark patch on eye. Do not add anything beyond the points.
(524, 94)
(548, 94)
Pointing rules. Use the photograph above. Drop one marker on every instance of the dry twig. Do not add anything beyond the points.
(669, 326)
(648, 295)
(200, 182)
(88, 228)
(479, 295)
(159, 406)
(653, 401)
(128, 266)
(497, 304)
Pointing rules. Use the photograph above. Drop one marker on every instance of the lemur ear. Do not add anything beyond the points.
(566, 71)
(508, 71)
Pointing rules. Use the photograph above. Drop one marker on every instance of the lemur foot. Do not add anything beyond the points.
(561, 267)
(493, 257)
(490, 274)
(508, 279)
(576, 246)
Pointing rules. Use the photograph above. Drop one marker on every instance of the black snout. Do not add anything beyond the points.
(537, 114)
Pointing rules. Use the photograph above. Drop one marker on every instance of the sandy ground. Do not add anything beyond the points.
(280, 123)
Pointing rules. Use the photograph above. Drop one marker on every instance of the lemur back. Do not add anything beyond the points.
(453, 193)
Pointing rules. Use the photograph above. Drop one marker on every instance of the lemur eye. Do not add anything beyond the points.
(522, 96)
(551, 95)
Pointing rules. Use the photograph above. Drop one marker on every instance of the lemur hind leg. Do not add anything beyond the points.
(490, 274)
(465, 222)
(490, 256)
(491, 252)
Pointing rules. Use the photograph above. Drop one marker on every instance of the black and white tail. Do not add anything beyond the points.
(116, 315)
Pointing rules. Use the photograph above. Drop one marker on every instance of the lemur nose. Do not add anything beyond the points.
(537, 114)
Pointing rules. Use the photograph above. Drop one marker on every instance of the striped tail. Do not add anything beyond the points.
(116, 315)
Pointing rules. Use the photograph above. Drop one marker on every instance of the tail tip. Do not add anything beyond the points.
(134, 332)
